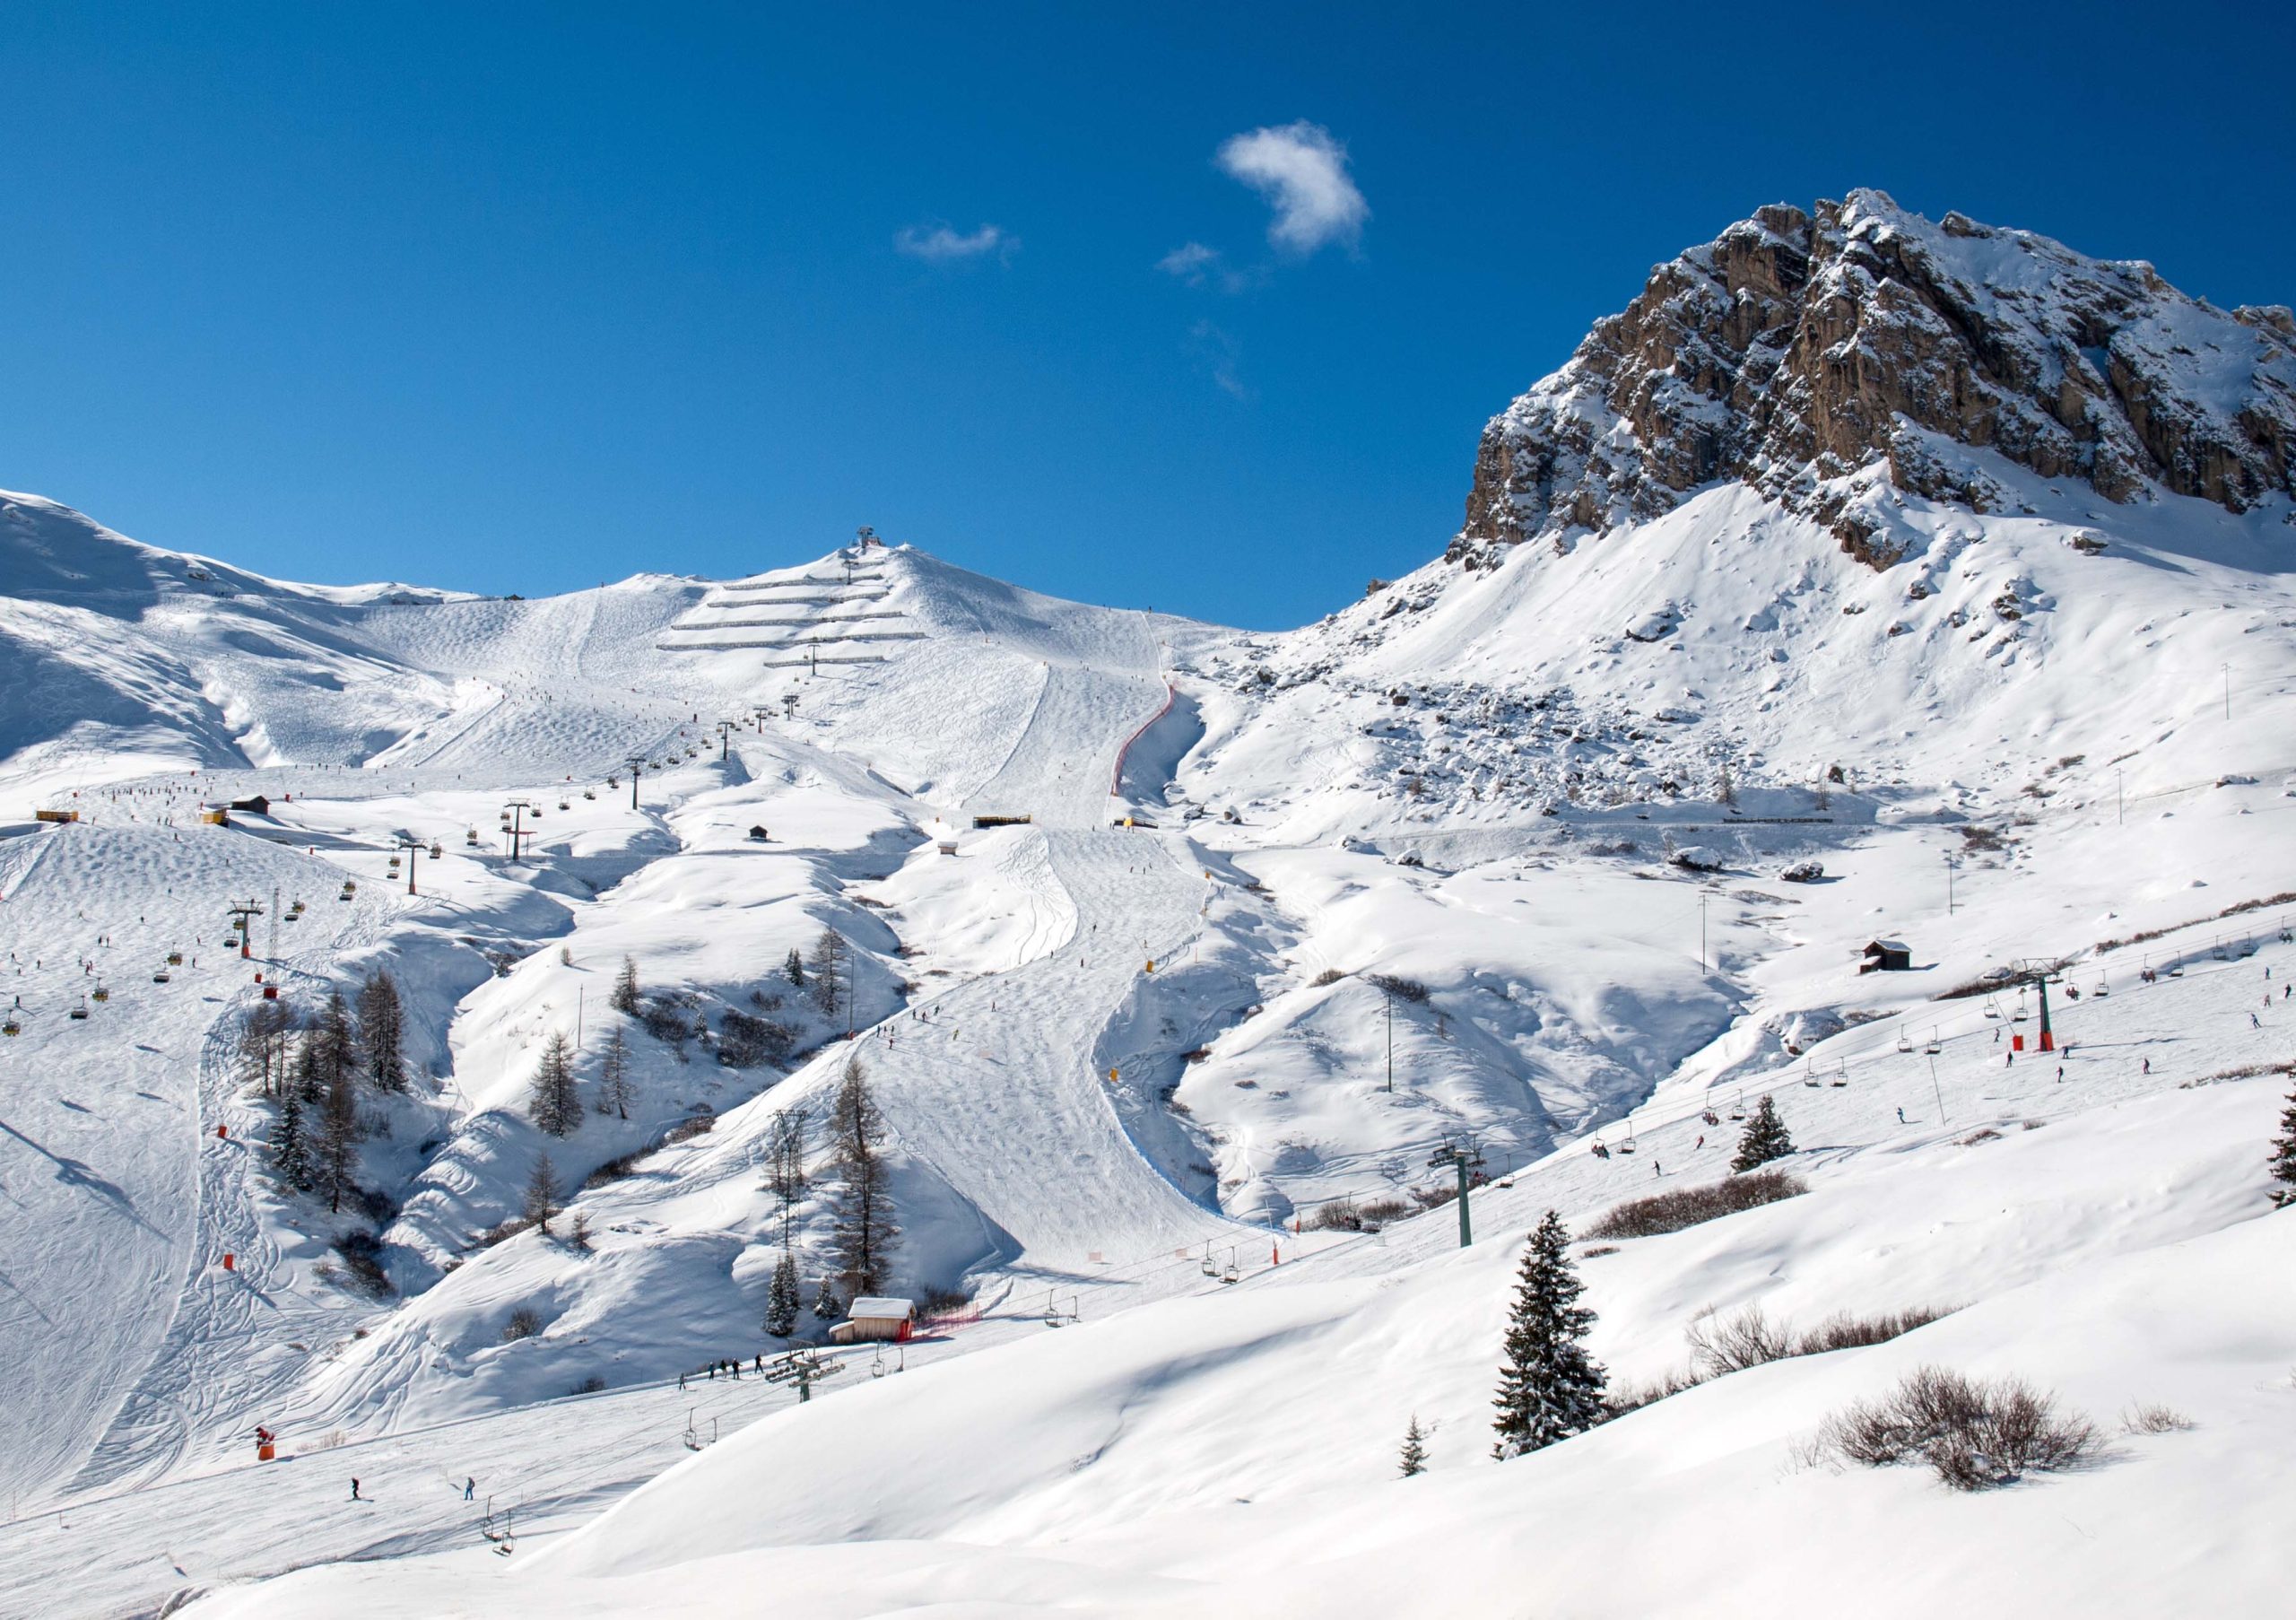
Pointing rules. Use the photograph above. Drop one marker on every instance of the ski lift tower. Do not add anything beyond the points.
(516, 830)
(803, 1367)
(415, 849)
(242, 916)
(726, 729)
(637, 762)
(1462, 1158)
(2036, 970)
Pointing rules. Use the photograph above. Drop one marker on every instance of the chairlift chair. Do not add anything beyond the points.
(81, 1010)
(2102, 989)
(1904, 1043)
(161, 977)
(175, 959)
(101, 993)
(11, 1028)
(1936, 1045)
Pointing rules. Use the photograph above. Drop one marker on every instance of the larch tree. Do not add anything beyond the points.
(550, 1097)
(541, 1195)
(1549, 1388)
(1763, 1139)
(614, 1075)
(623, 997)
(784, 1169)
(382, 1031)
(291, 1159)
(830, 954)
(794, 969)
(865, 1232)
(334, 1157)
(265, 1046)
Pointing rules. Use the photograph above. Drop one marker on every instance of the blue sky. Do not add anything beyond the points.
(523, 297)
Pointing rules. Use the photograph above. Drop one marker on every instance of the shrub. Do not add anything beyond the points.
(1749, 1340)
(2148, 1419)
(942, 1302)
(1401, 989)
(503, 1232)
(1338, 1215)
(1694, 1205)
(700, 1125)
(363, 1262)
(591, 1385)
(524, 1322)
(612, 1169)
(1328, 976)
(1843, 1331)
(1974, 1434)
(746, 1040)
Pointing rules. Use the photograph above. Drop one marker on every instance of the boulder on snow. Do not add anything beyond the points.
(1697, 857)
(1804, 872)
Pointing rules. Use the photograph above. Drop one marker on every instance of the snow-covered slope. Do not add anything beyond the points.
(1175, 956)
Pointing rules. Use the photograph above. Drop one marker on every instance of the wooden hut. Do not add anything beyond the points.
(889, 1320)
(1886, 956)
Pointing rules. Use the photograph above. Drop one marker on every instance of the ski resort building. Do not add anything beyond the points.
(890, 1320)
(1886, 956)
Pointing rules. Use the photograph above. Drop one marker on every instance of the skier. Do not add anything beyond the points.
(469, 1484)
(1901, 1118)
(355, 1489)
(2060, 1074)
(1697, 1144)
(2253, 1023)
(2148, 1067)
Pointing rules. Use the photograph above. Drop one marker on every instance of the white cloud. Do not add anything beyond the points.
(1190, 261)
(1302, 172)
(1217, 353)
(940, 244)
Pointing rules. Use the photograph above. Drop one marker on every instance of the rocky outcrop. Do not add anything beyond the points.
(1798, 350)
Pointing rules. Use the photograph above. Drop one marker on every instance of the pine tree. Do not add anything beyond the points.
(866, 1232)
(1763, 1139)
(382, 1032)
(623, 998)
(825, 1302)
(1414, 1448)
(786, 1163)
(551, 1099)
(782, 1298)
(793, 969)
(1725, 790)
(829, 951)
(2284, 1156)
(334, 1040)
(614, 1076)
(1549, 1388)
(542, 1193)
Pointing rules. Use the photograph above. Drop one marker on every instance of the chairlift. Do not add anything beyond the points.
(1840, 1075)
(394, 863)
(1904, 1044)
(563, 805)
(81, 1011)
(101, 993)
(1708, 1118)
(175, 959)
(1992, 1012)
(2176, 971)
(588, 794)
(1231, 1275)
(2102, 987)
(161, 977)
(11, 1028)
(436, 852)
(1936, 1045)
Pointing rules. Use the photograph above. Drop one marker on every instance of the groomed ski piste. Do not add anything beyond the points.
(1125, 1067)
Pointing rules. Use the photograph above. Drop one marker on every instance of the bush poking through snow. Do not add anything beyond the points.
(1690, 1207)
(2149, 1417)
(1328, 976)
(1751, 1340)
(525, 1322)
(1401, 989)
(1748, 1339)
(1974, 1434)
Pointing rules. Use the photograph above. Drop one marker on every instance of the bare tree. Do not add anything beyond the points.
(866, 1232)
(542, 1193)
(382, 1031)
(786, 1164)
(614, 1076)
(551, 1099)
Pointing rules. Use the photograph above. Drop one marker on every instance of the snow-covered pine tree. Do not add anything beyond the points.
(1763, 1139)
(623, 997)
(541, 1195)
(829, 953)
(1414, 1459)
(2284, 1156)
(551, 1099)
(614, 1075)
(1549, 1388)
(826, 1304)
(785, 1170)
(382, 1031)
(1725, 788)
(781, 1298)
(866, 1232)
(794, 969)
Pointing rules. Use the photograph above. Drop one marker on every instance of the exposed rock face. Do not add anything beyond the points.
(1793, 351)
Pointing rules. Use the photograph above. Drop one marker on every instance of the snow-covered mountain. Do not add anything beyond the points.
(1932, 561)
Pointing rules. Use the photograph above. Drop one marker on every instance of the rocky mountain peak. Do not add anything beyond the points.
(1797, 350)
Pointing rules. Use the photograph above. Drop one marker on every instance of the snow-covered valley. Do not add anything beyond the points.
(1178, 960)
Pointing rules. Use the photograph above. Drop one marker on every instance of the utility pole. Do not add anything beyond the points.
(1702, 898)
(1462, 1160)
(514, 815)
(1391, 1039)
(413, 847)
